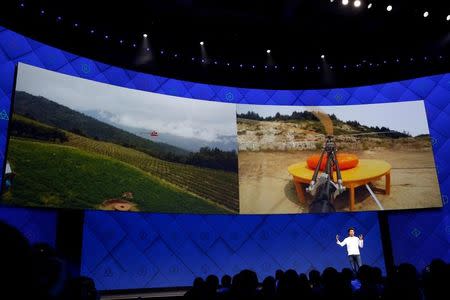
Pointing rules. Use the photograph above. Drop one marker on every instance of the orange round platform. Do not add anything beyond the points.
(366, 171)
(345, 161)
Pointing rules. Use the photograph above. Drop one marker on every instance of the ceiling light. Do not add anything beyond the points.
(357, 3)
(202, 43)
(344, 2)
(389, 8)
(426, 14)
(145, 35)
(268, 51)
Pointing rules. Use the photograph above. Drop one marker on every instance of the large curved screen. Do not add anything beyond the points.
(124, 250)
(76, 143)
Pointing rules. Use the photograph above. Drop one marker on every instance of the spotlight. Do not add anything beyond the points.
(357, 3)
(426, 14)
(106, 37)
(331, 1)
(59, 18)
(145, 35)
(369, 6)
(268, 51)
(448, 18)
(148, 49)
(121, 41)
(322, 56)
(202, 43)
(344, 2)
(389, 8)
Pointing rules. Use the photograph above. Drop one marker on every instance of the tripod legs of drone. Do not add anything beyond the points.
(340, 185)
(316, 170)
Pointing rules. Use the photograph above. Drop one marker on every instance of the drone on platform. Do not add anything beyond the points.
(324, 187)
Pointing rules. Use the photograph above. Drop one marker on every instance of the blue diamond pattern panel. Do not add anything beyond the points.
(138, 250)
(416, 236)
(38, 226)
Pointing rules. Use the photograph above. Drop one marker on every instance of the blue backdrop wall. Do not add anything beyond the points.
(133, 250)
(417, 236)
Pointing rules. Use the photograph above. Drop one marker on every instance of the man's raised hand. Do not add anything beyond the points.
(360, 236)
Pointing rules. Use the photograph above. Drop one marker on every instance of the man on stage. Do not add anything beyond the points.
(353, 244)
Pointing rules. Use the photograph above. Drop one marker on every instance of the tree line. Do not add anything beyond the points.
(309, 116)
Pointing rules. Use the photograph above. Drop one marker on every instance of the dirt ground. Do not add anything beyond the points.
(265, 186)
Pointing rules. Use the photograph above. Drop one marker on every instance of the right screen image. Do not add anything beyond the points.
(295, 159)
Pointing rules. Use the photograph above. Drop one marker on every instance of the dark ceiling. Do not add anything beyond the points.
(361, 45)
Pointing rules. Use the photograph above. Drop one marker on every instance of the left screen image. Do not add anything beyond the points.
(77, 143)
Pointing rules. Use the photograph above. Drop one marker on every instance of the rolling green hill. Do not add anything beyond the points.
(215, 185)
(212, 185)
(53, 175)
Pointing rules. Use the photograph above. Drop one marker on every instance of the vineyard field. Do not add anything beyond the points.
(211, 186)
(54, 175)
(214, 185)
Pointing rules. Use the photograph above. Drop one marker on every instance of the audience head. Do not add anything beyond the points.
(269, 286)
(314, 277)
(226, 281)
(198, 283)
(406, 273)
(364, 274)
(279, 274)
(212, 283)
(15, 263)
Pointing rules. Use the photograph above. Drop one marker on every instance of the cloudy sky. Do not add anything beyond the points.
(400, 116)
(206, 120)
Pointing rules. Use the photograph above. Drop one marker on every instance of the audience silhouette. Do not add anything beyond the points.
(38, 272)
(369, 284)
